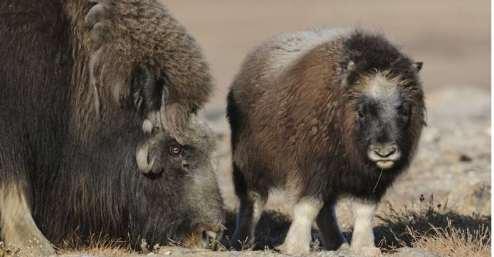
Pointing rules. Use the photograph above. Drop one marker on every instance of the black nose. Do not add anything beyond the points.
(385, 152)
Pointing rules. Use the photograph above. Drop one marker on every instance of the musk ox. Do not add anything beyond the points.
(98, 126)
(323, 114)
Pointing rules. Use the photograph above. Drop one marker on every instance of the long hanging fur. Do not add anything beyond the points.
(70, 125)
(139, 32)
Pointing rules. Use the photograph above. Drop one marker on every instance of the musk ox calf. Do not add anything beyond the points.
(324, 114)
(98, 126)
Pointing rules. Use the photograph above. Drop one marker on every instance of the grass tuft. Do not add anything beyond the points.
(96, 246)
(436, 228)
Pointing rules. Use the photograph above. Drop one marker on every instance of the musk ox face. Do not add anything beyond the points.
(179, 184)
(383, 115)
(176, 177)
(163, 154)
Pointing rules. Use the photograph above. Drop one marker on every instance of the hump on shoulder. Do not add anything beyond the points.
(286, 49)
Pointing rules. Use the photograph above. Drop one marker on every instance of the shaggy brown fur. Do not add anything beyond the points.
(294, 113)
(127, 33)
(83, 87)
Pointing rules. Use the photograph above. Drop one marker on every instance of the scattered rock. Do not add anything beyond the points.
(475, 199)
(78, 255)
(451, 103)
(414, 252)
(431, 135)
(465, 158)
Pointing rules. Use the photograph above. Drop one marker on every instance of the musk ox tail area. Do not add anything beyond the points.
(323, 114)
(235, 118)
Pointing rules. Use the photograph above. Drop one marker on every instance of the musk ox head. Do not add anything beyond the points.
(387, 112)
(172, 187)
(177, 191)
(385, 109)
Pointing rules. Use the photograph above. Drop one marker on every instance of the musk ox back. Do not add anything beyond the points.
(324, 114)
(98, 126)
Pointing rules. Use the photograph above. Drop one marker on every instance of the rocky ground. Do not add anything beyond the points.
(403, 252)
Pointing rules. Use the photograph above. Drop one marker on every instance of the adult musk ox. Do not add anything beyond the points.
(98, 126)
(324, 114)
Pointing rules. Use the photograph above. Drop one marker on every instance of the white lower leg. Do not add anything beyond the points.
(363, 236)
(299, 237)
(18, 227)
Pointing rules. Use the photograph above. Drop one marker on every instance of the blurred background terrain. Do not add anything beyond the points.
(451, 37)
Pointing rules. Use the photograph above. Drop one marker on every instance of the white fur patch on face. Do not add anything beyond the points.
(379, 86)
(384, 155)
(385, 164)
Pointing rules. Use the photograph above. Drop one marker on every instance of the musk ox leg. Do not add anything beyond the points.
(251, 206)
(250, 211)
(299, 237)
(18, 227)
(363, 236)
(328, 225)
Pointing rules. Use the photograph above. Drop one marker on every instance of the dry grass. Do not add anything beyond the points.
(429, 226)
(96, 246)
(454, 242)
(435, 228)
(7, 251)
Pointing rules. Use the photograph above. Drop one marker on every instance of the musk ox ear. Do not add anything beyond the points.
(144, 86)
(149, 89)
(150, 92)
(417, 66)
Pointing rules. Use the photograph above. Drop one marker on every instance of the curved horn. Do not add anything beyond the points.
(142, 159)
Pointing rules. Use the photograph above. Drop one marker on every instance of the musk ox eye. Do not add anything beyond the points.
(361, 114)
(175, 149)
(404, 109)
(361, 110)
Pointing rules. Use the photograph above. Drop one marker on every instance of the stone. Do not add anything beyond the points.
(475, 199)
(414, 252)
